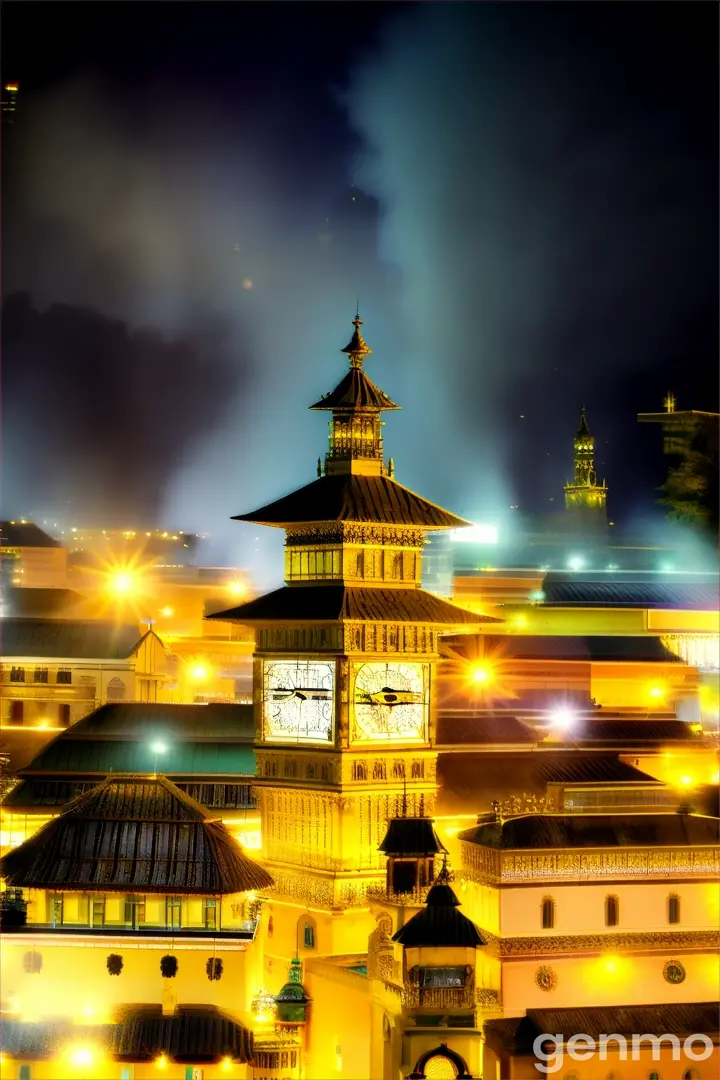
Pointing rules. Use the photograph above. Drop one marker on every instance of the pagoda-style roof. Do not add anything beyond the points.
(554, 831)
(194, 1034)
(131, 833)
(337, 603)
(357, 498)
(411, 836)
(440, 923)
(355, 392)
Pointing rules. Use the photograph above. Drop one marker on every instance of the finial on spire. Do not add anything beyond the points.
(583, 429)
(356, 348)
(669, 402)
(444, 877)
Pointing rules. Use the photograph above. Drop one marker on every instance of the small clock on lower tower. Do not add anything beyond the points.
(390, 702)
(298, 701)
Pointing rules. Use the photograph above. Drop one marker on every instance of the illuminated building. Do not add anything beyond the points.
(30, 558)
(207, 751)
(682, 428)
(55, 671)
(585, 498)
(130, 930)
(9, 102)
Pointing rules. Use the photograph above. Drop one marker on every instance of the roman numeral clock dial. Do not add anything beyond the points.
(298, 701)
(390, 702)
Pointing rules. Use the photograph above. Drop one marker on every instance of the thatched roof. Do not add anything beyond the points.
(134, 833)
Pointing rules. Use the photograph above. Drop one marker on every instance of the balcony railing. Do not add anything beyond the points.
(439, 997)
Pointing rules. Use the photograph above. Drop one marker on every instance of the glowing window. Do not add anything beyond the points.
(440, 1068)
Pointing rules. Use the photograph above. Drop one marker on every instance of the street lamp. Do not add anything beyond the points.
(157, 748)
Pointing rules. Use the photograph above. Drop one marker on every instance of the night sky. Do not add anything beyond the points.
(522, 196)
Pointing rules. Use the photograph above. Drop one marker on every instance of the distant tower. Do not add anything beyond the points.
(9, 102)
(584, 497)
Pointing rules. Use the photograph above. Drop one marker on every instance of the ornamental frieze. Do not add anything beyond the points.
(353, 533)
(597, 943)
(486, 866)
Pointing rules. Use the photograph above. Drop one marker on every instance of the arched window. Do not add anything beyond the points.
(673, 909)
(306, 932)
(548, 913)
(654, 1076)
(691, 1074)
(359, 770)
(398, 770)
(612, 910)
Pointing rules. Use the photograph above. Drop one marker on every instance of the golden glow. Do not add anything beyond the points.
(199, 672)
(481, 673)
(226, 1064)
(656, 692)
(167, 612)
(44, 722)
(122, 583)
(12, 88)
(716, 778)
(520, 620)
(83, 1057)
(686, 781)
(161, 1062)
(237, 588)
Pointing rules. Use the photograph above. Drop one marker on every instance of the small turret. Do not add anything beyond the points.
(411, 845)
(292, 1001)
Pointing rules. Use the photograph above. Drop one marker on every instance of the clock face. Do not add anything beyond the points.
(390, 702)
(298, 701)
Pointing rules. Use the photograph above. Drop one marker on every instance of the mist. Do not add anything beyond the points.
(527, 216)
(551, 203)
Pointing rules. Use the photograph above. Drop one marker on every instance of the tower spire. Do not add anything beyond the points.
(357, 348)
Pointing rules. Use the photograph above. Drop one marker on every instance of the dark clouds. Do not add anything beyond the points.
(549, 180)
(546, 178)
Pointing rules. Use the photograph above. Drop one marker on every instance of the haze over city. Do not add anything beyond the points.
(523, 202)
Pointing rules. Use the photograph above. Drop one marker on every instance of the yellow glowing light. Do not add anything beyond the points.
(161, 1062)
(226, 1064)
(686, 781)
(122, 582)
(82, 1056)
(716, 778)
(237, 588)
(520, 620)
(480, 673)
(656, 692)
(12, 87)
(198, 672)
(43, 723)
(610, 964)
(167, 612)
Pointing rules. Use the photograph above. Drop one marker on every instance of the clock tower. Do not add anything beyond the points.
(345, 661)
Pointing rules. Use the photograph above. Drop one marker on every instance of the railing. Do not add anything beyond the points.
(439, 997)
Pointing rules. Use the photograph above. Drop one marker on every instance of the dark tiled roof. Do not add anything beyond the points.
(622, 732)
(14, 534)
(136, 720)
(411, 836)
(518, 1033)
(355, 391)
(39, 603)
(440, 923)
(195, 1034)
(595, 831)
(639, 649)
(481, 729)
(333, 603)
(56, 638)
(129, 833)
(370, 499)
(470, 782)
(690, 596)
(100, 757)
